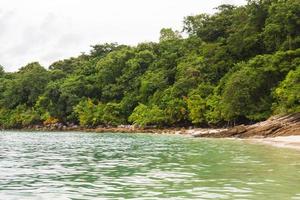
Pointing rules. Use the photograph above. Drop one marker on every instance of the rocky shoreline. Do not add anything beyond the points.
(286, 125)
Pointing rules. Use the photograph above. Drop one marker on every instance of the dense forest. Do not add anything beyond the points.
(238, 65)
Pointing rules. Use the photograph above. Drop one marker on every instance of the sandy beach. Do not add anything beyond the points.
(292, 142)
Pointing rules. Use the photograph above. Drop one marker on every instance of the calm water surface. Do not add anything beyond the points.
(123, 166)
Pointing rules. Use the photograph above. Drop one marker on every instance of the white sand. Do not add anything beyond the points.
(283, 141)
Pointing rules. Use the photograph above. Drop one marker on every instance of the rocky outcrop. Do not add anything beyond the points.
(274, 126)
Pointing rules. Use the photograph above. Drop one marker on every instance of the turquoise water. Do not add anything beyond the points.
(140, 166)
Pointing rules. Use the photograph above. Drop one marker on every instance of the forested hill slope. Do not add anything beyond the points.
(239, 65)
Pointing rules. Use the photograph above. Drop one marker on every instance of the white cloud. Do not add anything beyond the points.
(49, 30)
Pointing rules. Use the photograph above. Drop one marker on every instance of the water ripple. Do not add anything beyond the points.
(126, 166)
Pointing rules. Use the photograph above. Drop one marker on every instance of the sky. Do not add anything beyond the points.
(50, 30)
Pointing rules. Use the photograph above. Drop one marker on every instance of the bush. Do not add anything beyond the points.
(19, 117)
(145, 115)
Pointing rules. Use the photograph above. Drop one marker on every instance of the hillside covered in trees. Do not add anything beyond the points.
(239, 65)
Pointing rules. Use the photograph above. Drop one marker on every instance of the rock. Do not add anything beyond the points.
(274, 126)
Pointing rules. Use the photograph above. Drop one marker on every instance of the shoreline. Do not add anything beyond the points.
(287, 141)
(280, 131)
(170, 131)
(279, 125)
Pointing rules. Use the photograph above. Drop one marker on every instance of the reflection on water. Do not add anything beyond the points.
(124, 166)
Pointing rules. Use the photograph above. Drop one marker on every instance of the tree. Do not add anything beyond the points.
(1, 71)
(168, 34)
(70, 65)
(176, 112)
(26, 86)
(144, 115)
(282, 26)
(211, 27)
(101, 50)
(86, 112)
(197, 109)
(247, 92)
(287, 94)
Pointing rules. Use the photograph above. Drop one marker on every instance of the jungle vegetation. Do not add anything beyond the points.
(238, 65)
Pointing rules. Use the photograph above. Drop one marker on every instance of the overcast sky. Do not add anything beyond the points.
(50, 30)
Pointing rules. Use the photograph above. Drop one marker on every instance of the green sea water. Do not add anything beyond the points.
(42, 165)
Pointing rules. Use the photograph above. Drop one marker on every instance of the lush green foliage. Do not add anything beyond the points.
(241, 64)
(147, 115)
(288, 93)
